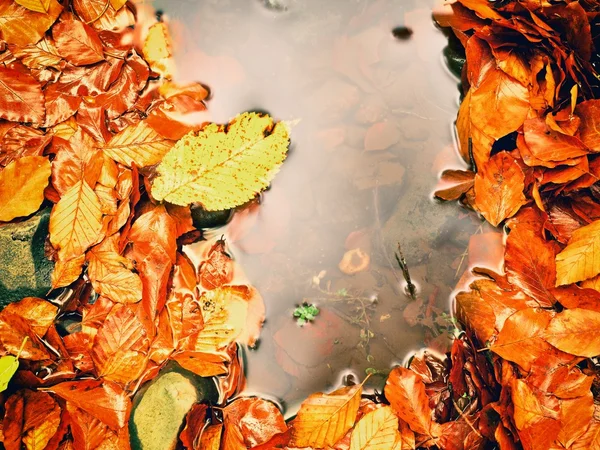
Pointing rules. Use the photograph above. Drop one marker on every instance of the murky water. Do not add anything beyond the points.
(374, 131)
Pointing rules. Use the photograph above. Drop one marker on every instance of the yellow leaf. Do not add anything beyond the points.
(580, 260)
(575, 331)
(67, 271)
(377, 430)
(139, 144)
(324, 419)
(35, 5)
(223, 166)
(117, 4)
(22, 185)
(211, 437)
(111, 275)
(21, 26)
(76, 221)
(157, 49)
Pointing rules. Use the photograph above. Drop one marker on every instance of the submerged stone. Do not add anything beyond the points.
(209, 219)
(24, 269)
(159, 409)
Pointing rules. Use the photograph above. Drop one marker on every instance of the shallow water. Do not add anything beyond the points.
(374, 131)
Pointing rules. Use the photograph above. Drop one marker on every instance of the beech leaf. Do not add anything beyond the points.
(35, 5)
(22, 185)
(580, 260)
(376, 430)
(8, 367)
(575, 331)
(405, 391)
(76, 221)
(77, 42)
(223, 166)
(138, 144)
(323, 419)
(21, 97)
(21, 26)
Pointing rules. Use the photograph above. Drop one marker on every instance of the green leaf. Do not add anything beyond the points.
(8, 366)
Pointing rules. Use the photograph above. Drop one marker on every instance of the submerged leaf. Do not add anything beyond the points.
(223, 166)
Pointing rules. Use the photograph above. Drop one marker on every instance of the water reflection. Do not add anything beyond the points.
(374, 131)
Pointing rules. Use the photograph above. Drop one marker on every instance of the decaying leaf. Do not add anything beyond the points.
(223, 167)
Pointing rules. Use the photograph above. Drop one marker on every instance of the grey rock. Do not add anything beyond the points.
(160, 407)
(24, 269)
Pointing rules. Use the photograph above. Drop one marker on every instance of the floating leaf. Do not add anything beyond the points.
(580, 260)
(575, 331)
(138, 144)
(323, 419)
(223, 166)
(377, 430)
(22, 185)
(21, 97)
(499, 186)
(21, 26)
(76, 221)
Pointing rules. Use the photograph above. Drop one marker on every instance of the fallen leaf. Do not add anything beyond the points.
(39, 313)
(41, 6)
(574, 331)
(223, 167)
(325, 418)
(77, 42)
(376, 430)
(21, 26)
(256, 420)
(22, 185)
(21, 97)
(580, 260)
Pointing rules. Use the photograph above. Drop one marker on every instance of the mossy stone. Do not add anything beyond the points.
(160, 407)
(209, 219)
(24, 269)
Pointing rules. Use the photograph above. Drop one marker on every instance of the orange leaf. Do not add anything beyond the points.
(589, 130)
(575, 331)
(257, 420)
(547, 144)
(580, 260)
(21, 97)
(104, 400)
(119, 350)
(38, 312)
(41, 6)
(22, 185)
(76, 221)
(21, 26)
(14, 330)
(454, 183)
(521, 339)
(90, 433)
(67, 271)
(77, 42)
(575, 416)
(499, 186)
(405, 391)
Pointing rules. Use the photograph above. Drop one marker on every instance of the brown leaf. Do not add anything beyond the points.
(454, 183)
(21, 97)
(405, 391)
(256, 420)
(77, 42)
(22, 185)
(195, 425)
(217, 269)
(589, 130)
(21, 26)
(499, 186)
(38, 312)
(575, 331)
(547, 144)
(104, 400)
(14, 330)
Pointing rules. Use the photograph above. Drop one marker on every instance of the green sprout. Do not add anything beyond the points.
(306, 313)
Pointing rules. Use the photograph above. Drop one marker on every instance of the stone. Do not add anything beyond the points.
(160, 407)
(24, 269)
(209, 219)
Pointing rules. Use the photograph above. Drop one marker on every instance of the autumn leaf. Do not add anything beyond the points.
(589, 130)
(223, 166)
(77, 42)
(21, 97)
(67, 271)
(405, 391)
(376, 430)
(580, 260)
(521, 338)
(14, 330)
(255, 420)
(41, 6)
(157, 49)
(39, 313)
(324, 418)
(119, 350)
(90, 433)
(454, 183)
(22, 185)
(76, 221)
(102, 399)
(138, 144)
(21, 26)
(499, 186)
(575, 331)
(547, 144)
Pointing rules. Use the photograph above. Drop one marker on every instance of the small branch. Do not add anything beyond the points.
(410, 287)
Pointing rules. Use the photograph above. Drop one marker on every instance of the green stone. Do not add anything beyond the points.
(209, 219)
(159, 409)
(24, 269)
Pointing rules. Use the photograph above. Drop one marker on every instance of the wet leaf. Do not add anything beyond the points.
(580, 260)
(39, 313)
(21, 26)
(223, 167)
(454, 183)
(77, 42)
(405, 391)
(499, 186)
(324, 418)
(21, 97)
(22, 185)
(575, 331)
(255, 420)
(75, 221)
(377, 430)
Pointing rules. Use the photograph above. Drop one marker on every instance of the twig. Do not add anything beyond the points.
(462, 415)
(410, 287)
